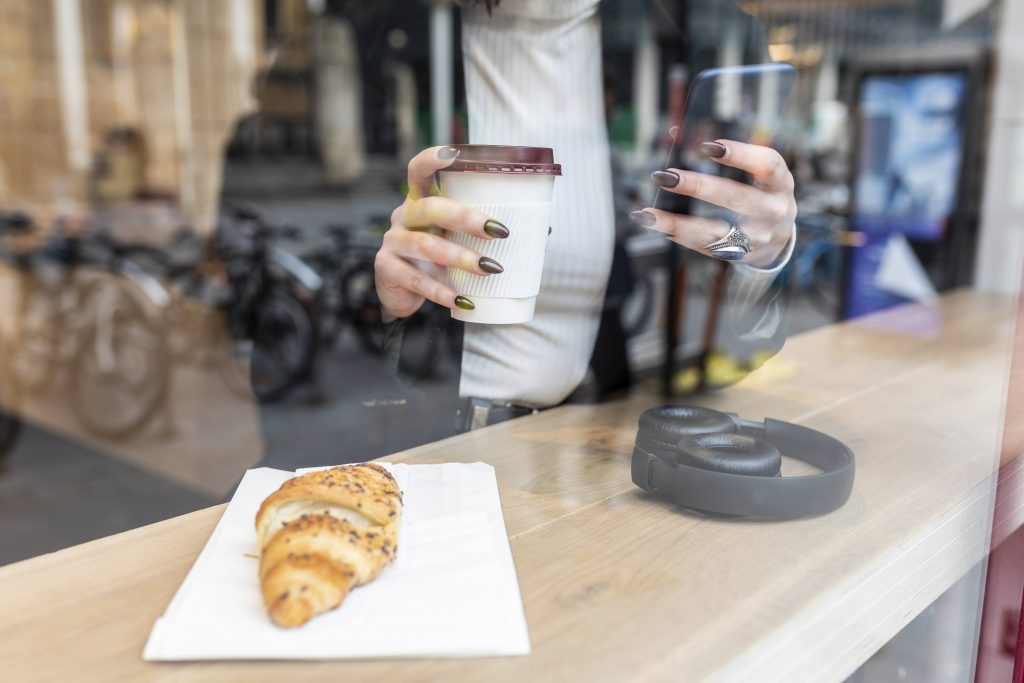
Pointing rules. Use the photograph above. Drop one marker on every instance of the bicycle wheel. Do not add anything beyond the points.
(36, 350)
(284, 345)
(121, 371)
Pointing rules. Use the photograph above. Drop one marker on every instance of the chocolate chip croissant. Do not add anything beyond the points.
(323, 533)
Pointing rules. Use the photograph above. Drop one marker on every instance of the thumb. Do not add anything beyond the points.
(423, 166)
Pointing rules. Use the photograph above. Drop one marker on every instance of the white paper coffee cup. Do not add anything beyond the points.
(513, 185)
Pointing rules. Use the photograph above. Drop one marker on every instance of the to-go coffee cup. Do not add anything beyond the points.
(514, 185)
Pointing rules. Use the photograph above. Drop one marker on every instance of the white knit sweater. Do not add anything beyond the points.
(533, 77)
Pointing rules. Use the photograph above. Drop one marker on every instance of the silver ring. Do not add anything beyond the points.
(734, 246)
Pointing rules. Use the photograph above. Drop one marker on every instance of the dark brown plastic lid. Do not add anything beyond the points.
(503, 159)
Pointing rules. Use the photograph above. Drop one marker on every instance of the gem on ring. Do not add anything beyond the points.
(734, 246)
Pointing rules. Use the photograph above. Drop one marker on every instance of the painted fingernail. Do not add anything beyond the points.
(715, 150)
(665, 178)
(495, 229)
(464, 303)
(644, 218)
(489, 265)
(446, 153)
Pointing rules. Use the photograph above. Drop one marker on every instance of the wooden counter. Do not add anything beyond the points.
(618, 586)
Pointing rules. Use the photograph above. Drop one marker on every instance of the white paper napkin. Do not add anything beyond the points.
(451, 592)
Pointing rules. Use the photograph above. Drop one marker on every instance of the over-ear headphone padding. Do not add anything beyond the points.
(654, 443)
(718, 464)
(731, 454)
(669, 424)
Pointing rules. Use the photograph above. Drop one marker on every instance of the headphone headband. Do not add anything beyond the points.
(738, 472)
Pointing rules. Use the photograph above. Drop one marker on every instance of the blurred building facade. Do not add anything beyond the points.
(91, 92)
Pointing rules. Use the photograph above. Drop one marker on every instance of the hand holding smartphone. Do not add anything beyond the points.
(720, 158)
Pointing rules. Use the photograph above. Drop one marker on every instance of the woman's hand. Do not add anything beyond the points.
(409, 265)
(767, 210)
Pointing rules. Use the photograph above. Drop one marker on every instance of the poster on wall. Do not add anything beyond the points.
(910, 154)
(907, 172)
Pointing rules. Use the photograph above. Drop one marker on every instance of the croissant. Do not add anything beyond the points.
(322, 534)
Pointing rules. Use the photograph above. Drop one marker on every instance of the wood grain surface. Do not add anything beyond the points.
(616, 584)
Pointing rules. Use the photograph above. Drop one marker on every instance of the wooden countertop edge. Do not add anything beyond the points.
(932, 563)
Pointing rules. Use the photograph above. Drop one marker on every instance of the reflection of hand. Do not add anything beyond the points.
(413, 241)
(767, 210)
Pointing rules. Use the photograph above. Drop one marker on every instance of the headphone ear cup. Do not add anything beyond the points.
(668, 424)
(730, 454)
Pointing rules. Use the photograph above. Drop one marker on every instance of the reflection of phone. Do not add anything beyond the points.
(742, 103)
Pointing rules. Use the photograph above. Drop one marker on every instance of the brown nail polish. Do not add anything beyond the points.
(489, 265)
(496, 229)
(715, 150)
(665, 178)
(464, 303)
(446, 153)
(644, 218)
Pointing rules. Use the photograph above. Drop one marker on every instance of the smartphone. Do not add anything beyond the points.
(742, 103)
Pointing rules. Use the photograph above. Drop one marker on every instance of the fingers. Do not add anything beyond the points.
(692, 232)
(765, 164)
(423, 166)
(450, 215)
(395, 274)
(724, 192)
(425, 246)
(767, 208)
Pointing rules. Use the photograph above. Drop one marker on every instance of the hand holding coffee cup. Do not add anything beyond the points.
(408, 264)
(495, 207)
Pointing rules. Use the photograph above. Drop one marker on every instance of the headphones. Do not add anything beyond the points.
(717, 463)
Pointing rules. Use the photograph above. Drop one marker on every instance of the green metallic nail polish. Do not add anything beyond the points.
(495, 229)
(489, 265)
(464, 303)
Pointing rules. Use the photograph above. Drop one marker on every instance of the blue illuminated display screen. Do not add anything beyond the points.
(910, 152)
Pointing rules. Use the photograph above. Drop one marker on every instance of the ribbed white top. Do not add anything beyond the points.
(533, 77)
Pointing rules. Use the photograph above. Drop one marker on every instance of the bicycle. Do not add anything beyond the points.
(198, 291)
(349, 294)
(121, 371)
(86, 310)
(349, 300)
(240, 302)
(270, 307)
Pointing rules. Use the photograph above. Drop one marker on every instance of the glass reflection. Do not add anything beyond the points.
(194, 197)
